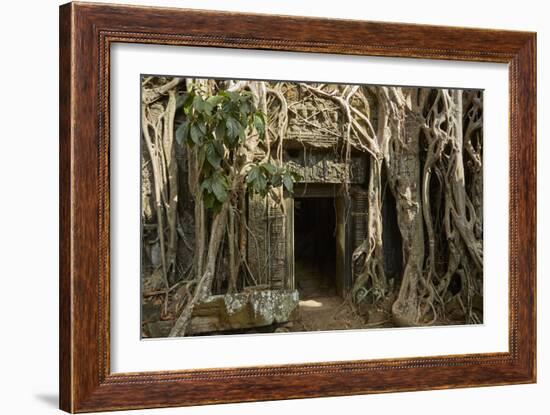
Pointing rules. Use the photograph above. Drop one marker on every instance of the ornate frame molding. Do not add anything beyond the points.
(86, 33)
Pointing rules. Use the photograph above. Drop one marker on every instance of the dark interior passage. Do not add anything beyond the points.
(315, 246)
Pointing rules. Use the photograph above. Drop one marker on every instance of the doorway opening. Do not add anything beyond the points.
(315, 247)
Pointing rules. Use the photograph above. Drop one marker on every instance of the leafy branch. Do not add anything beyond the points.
(218, 125)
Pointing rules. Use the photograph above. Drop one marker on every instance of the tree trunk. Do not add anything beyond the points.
(370, 254)
(204, 285)
(171, 182)
(400, 129)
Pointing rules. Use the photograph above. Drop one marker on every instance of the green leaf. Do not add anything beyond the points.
(218, 145)
(242, 135)
(220, 130)
(198, 103)
(207, 109)
(229, 107)
(209, 200)
(187, 104)
(259, 124)
(207, 185)
(197, 134)
(245, 107)
(219, 190)
(232, 95)
(233, 128)
(201, 157)
(215, 100)
(260, 184)
(253, 174)
(269, 168)
(276, 180)
(202, 106)
(182, 132)
(288, 183)
(212, 156)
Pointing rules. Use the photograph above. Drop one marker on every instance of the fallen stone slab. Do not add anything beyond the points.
(159, 328)
(243, 310)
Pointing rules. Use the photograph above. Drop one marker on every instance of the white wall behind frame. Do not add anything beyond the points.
(29, 70)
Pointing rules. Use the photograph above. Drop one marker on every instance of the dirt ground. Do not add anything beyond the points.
(326, 313)
(321, 308)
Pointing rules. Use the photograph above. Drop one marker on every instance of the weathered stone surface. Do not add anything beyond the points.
(257, 245)
(314, 122)
(243, 310)
(324, 167)
(159, 328)
(150, 312)
(153, 282)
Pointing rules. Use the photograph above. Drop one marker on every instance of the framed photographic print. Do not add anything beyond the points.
(260, 207)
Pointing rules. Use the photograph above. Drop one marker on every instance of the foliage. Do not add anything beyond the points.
(263, 176)
(218, 126)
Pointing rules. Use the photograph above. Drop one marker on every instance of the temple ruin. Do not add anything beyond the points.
(296, 247)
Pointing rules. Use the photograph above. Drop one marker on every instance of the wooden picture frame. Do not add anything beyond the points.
(86, 33)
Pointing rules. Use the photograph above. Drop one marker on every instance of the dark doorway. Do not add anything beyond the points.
(315, 246)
